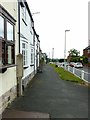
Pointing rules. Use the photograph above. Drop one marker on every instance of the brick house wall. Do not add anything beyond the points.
(86, 52)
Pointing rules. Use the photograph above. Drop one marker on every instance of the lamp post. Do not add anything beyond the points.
(35, 13)
(52, 54)
(65, 48)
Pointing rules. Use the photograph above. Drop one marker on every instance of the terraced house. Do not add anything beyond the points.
(19, 50)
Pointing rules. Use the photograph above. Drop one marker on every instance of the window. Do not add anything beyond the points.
(32, 56)
(25, 53)
(7, 38)
(9, 31)
(88, 50)
(1, 27)
(10, 54)
(24, 13)
(0, 53)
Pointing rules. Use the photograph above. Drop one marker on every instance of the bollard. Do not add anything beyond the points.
(68, 68)
(73, 70)
(82, 74)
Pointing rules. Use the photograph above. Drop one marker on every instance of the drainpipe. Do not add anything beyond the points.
(34, 49)
(19, 59)
(19, 23)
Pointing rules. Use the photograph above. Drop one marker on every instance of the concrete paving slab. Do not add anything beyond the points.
(24, 114)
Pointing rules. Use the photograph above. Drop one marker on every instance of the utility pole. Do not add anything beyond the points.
(52, 54)
(49, 56)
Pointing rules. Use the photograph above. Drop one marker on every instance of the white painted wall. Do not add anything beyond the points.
(27, 32)
(8, 79)
(35, 53)
(38, 51)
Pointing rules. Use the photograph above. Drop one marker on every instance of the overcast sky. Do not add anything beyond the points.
(55, 17)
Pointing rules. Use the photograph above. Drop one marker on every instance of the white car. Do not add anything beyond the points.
(78, 65)
(64, 63)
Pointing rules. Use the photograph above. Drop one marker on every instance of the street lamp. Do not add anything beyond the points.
(35, 13)
(65, 47)
(52, 54)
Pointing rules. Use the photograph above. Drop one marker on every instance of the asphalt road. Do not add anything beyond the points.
(49, 94)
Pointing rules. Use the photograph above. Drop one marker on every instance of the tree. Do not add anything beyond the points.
(61, 60)
(84, 59)
(74, 53)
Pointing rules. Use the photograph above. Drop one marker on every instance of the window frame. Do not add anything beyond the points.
(5, 43)
(25, 58)
(13, 31)
(88, 51)
(3, 27)
(32, 56)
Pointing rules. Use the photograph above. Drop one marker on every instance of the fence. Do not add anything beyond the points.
(79, 73)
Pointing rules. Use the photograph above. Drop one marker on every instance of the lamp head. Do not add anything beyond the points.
(67, 30)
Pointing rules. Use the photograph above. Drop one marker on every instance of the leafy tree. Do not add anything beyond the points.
(74, 59)
(74, 53)
(85, 59)
(61, 60)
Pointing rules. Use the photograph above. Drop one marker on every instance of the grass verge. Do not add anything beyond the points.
(65, 75)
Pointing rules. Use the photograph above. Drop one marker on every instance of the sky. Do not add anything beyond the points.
(54, 18)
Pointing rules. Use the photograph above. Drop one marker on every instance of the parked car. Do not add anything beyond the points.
(64, 63)
(78, 65)
(72, 64)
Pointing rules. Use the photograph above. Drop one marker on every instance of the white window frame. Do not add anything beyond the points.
(2, 27)
(25, 54)
(32, 55)
(24, 12)
(88, 51)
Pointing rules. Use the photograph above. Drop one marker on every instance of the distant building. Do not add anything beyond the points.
(86, 53)
(36, 51)
(44, 56)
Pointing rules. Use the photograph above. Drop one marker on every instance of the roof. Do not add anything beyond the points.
(87, 48)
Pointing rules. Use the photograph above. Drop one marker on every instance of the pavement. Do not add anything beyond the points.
(10, 113)
(49, 94)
